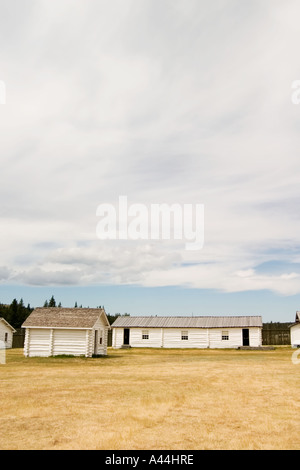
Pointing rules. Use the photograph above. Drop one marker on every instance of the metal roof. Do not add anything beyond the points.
(55, 317)
(188, 322)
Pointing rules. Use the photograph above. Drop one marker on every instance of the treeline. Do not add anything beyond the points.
(16, 313)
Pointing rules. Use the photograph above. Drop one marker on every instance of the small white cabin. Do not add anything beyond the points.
(187, 332)
(6, 334)
(295, 332)
(66, 331)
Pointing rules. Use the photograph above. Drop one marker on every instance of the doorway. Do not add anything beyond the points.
(126, 336)
(246, 337)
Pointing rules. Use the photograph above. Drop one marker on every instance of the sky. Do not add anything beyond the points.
(175, 102)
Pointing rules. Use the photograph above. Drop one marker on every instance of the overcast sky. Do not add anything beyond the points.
(178, 101)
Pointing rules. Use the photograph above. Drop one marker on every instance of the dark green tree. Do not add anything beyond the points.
(16, 313)
(52, 302)
(13, 314)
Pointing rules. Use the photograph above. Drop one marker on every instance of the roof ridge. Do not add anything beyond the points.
(209, 321)
(7, 323)
(194, 316)
(65, 317)
(70, 309)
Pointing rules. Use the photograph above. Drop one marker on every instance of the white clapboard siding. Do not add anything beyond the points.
(295, 335)
(137, 341)
(39, 342)
(6, 335)
(196, 338)
(234, 338)
(102, 329)
(67, 342)
(105, 344)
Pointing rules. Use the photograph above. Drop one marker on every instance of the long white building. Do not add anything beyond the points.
(295, 331)
(187, 332)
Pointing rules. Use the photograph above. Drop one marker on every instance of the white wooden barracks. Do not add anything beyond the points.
(295, 331)
(187, 332)
(70, 331)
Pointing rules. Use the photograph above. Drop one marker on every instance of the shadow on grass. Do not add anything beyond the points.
(78, 358)
(17, 356)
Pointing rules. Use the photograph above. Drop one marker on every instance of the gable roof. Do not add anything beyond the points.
(297, 319)
(187, 322)
(7, 324)
(55, 317)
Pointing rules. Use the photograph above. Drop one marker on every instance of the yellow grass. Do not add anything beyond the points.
(152, 399)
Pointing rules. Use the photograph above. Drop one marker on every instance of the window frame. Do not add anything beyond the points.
(145, 335)
(225, 335)
(184, 335)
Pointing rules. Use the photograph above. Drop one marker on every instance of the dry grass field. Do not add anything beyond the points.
(152, 399)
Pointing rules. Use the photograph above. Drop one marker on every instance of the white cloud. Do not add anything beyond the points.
(175, 102)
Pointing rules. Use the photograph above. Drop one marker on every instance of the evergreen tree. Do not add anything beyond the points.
(52, 302)
(13, 313)
(17, 313)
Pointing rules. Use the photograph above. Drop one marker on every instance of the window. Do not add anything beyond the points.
(100, 337)
(225, 335)
(145, 334)
(184, 335)
(6, 337)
